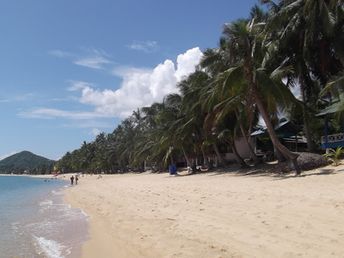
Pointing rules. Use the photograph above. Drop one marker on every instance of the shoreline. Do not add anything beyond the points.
(212, 215)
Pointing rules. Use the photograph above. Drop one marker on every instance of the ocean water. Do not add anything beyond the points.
(35, 222)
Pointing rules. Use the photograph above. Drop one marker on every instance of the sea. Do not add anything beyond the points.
(35, 222)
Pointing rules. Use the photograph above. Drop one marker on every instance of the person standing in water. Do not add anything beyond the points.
(76, 179)
(72, 180)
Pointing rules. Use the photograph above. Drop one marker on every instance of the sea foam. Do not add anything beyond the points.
(50, 248)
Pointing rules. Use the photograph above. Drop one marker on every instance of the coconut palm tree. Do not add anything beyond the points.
(219, 99)
(245, 39)
(304, 33)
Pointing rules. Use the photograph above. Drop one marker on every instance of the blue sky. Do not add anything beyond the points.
(70, 69)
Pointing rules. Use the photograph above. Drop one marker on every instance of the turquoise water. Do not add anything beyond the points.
(35, 222)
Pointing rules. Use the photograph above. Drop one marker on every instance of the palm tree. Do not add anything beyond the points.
(304, 33)
(219, 100)
(245, 38)
(192, 89)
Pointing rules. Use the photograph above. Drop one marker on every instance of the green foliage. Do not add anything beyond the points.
(26, 162)
(335, 155)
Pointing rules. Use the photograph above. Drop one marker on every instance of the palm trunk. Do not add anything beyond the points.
(279, 155)
(310, 144)
(292, 157)
(218, 155)
(205, 158)
(188, 163)
(237, 156)
(243, 133)
(302, 65)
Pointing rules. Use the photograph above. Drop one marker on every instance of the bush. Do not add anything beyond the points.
(334, 155)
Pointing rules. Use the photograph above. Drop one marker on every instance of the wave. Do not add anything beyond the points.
(51, 248)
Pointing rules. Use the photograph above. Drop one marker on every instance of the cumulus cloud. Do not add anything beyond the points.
(186, 62)
(140, 87)
(145, 46)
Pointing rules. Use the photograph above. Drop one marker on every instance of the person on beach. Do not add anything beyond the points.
(76, 179)
(72, 180)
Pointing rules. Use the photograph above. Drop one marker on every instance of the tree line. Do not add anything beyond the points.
(254, 71)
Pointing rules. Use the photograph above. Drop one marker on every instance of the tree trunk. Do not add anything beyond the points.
(292, 157)
(238, 158)
(310, 143)
(188, 163)
(250, 148)
(218, 155)
(278, 155)
(205, 158)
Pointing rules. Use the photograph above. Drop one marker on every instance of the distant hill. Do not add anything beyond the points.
(26, 162)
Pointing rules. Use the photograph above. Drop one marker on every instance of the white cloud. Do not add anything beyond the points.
(94, 62)
(95, 59)
(186, 62)
(145, 46)
(90, 57)
(88, 124)
(49, 113)
(139, 88)
(79, 85)
(64, 99)
(18, 98)
(95, 131)
(60, 53)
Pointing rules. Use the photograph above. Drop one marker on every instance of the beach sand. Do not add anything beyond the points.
(213, 215)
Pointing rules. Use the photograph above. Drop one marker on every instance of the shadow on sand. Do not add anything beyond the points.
(263, 170)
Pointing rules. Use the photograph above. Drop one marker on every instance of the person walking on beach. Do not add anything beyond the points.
(72, 180)
(76, 179)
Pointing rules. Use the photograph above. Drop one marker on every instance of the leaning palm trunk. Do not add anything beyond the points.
(237, 156)
(279, 155)
(292, 157)
(250, 148)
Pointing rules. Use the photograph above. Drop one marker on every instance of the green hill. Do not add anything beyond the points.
(26, 162)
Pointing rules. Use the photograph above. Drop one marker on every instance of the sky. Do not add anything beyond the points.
(72, 69)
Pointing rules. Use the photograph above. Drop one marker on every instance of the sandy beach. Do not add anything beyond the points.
(213, 215)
